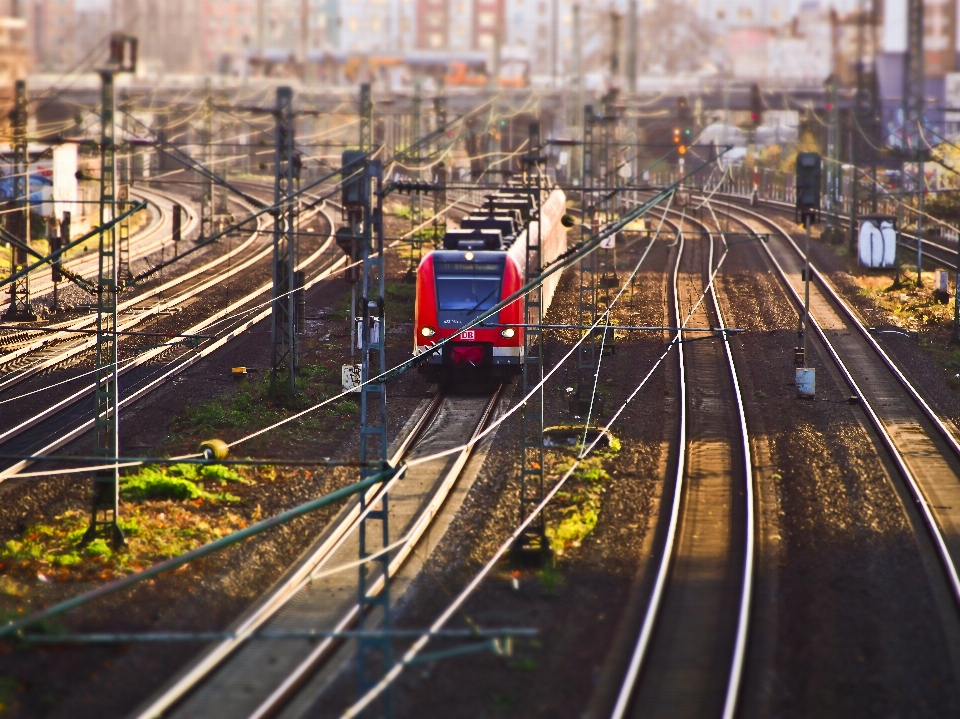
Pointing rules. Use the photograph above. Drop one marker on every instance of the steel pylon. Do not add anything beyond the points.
(283, 326)
(18, 222)
(106, 482)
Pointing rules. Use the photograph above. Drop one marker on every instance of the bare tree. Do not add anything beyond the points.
(673, 38)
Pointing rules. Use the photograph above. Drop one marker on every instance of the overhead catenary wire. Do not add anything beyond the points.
(454, 606)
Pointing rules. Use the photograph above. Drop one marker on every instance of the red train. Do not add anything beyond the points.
(481, 264)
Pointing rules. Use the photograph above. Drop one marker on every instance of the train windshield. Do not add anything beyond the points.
(467, 289)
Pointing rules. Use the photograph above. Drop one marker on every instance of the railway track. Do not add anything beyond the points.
(19, 341)
(44, 350)
(250, 677)
(69, 417)
(922, 446)
(144, 243)
(688, 657)
(941, 254)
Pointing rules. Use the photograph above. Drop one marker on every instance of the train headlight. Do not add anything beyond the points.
(508, 332)
(427, 331)
(468, 256)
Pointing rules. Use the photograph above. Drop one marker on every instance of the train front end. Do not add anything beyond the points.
(454, 288)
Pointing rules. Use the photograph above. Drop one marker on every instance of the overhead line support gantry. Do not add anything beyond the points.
(283, 328)
(18, 221)
(106, 482)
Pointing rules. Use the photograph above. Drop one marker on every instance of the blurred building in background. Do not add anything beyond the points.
(780, 43)
(15, 45)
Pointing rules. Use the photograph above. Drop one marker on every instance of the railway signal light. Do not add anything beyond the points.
(683, 134)
(176, 221)
(123, 53)
(756, 105)
(808, 187)
(53, 239)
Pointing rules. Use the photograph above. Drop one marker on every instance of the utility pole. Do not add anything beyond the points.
(833, 158)
(304, 44)
(363, 196)
(261, 28)
(283, 329)
(531, 546)
(123, 228)
(416, 198)
(440, 197)
(366, 118)
(632, 29)
(18, 222)
(615, 34)
(913, 110)
(579, 121)
(555, 40)
(106, 483)
(355, 218)
(206, 184)
(587, 352)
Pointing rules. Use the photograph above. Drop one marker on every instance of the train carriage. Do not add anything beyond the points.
(481, 264)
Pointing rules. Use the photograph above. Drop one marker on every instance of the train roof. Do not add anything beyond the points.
(483, 260)
(473, 239)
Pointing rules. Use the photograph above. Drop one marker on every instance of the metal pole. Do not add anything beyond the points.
(283, 331)
(806, 287)
(833, 159)
(921, 188)
(18, 222)
(365, 145)
(373, 424)
(261, 27)
(206, 186)
(955, 337)
(532, 547)
(555, 40)
(632, 48)
(106, 495)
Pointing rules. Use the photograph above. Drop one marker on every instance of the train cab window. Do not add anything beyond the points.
(467, 289)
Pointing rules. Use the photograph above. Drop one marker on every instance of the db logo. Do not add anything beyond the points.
(467, 335)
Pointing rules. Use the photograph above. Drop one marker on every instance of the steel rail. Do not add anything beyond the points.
(46, 339)
(77, 347)
(145, 358)
(268, 606)
(746, 592)
(827, 287)
(787, 207)
(893, 450)
(629, 683)
(283, 693)
(347, 524)
(738, 654)
(144, 242)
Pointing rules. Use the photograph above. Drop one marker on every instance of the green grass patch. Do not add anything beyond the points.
(157, 530)
(180, 482)
(575, 512)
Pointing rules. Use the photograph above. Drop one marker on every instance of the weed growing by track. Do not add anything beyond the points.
(574, 512)
(162, 515)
